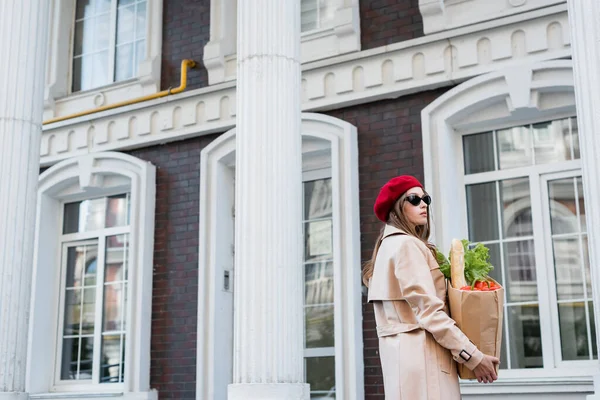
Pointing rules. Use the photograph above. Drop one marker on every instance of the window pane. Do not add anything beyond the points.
(519, 258)
(575, 133)
(319, 283)
(82, 73)
(573, 331)
(72, 318)
(479, 153)
(495, 273)
(319, 326)
(516, 200)
(482, 209)
(567, 264)
(593, 328)
(125, 24)
(117, 211)
(514, 147)
(84, 35)
(70, 359)
(140, 20)
(525, 337)
(113, 359)
(114, 307)
(309, 15)
(124, 62)
(140, 54)
(100, 69)
(317, 199)
(102, 32)
(117, 253)
(320, 374)
(88, 8)
(586, 265)
(563, 210)
(81, 260)
(318, 240)
(552, 141)
(87, 358)
(581, 204)
(89, 311)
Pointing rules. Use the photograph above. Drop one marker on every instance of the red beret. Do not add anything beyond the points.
(391, 192)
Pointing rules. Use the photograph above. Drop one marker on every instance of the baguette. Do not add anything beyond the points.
(457, 264)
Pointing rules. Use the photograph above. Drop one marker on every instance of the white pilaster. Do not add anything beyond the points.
(268, 322)
(584, 20)
(23, 42)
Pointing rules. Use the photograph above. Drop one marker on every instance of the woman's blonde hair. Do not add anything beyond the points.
(397, 219)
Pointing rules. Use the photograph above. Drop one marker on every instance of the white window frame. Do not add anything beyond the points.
(521, 94)
(86, 177)
(216, 181)
(58, 99)
(343, 36)
(440, 15)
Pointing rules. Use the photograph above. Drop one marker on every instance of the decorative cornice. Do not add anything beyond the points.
(387, 72)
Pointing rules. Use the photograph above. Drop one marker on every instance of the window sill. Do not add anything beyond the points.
(554, 382)
(151, 395)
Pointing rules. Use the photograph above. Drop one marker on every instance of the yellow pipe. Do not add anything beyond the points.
(185, 64)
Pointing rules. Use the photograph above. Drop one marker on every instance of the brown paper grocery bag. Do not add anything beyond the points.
(479, 315)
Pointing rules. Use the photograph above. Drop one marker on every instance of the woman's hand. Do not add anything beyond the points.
(486, 370)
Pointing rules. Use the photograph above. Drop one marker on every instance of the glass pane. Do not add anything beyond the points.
(125, 24)
(102, 32)
(89, 8)
(117, 248)
(140, 54)
(70, 357)
(319, 326)
(318, 240)
(503, 352)
(84, 34)
(496, 273)
(320, 373)
(82, 73)
(519, 259)
(81, 260)
(140, 20)
(102, 6)
(124, 62)
(593, 328)
(83, 216)
(563, 211)
(514, 147)
(125, 2)
(72, 318)
(87, 358)
(327, 13)
(581, 204)
(573, 331)
(113, 359)
(71, 217)
(100, 69)
(317, 199)
(552, 141)
(89, 311)
(586, 265)
(114, 307)
(516, 200)
(308, 15)
(318, 283)
(482, 209)
(525, 337)
(567, 264)
(575, 133)
(479, 153)
(117, 211)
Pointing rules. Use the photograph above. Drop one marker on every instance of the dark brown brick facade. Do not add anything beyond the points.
(175, 278)
(389, 144)
(186, 30)
(383, 22)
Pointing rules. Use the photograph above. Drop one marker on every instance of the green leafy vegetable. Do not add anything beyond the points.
(477, 263)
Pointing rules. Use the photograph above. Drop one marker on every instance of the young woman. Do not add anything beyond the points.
(418, 342)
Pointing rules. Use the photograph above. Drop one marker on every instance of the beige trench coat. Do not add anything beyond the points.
(418, 342)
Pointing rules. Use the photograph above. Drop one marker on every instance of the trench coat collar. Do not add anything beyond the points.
(391, 230)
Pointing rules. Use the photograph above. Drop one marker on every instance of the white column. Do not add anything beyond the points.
(23, 42)
(584, 17)
(268, 287)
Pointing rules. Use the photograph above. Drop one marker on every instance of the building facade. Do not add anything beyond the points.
(134, 280)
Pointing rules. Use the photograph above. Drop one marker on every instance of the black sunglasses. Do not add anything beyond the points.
(416, 200)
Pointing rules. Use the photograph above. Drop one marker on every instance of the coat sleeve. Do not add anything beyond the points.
(417, 287)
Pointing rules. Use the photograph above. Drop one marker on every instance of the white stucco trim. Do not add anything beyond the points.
(78, 178)
(58, 99)
(220, 56)
(216, 183)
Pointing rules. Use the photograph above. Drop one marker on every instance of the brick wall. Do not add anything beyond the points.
(384, 22)
(186, 30)
(389, 144)
(175, 285)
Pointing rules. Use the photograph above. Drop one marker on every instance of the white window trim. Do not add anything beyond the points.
(440, 15)
(58, 99)
(215, 187)
(220, 52)
(522, 94)
(90, 176)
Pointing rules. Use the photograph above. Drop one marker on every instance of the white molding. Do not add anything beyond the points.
(440, 15)
(220, 156)
(358, 78)
(220, 57)
(491, 99)
(76, 178)
(58, 100)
